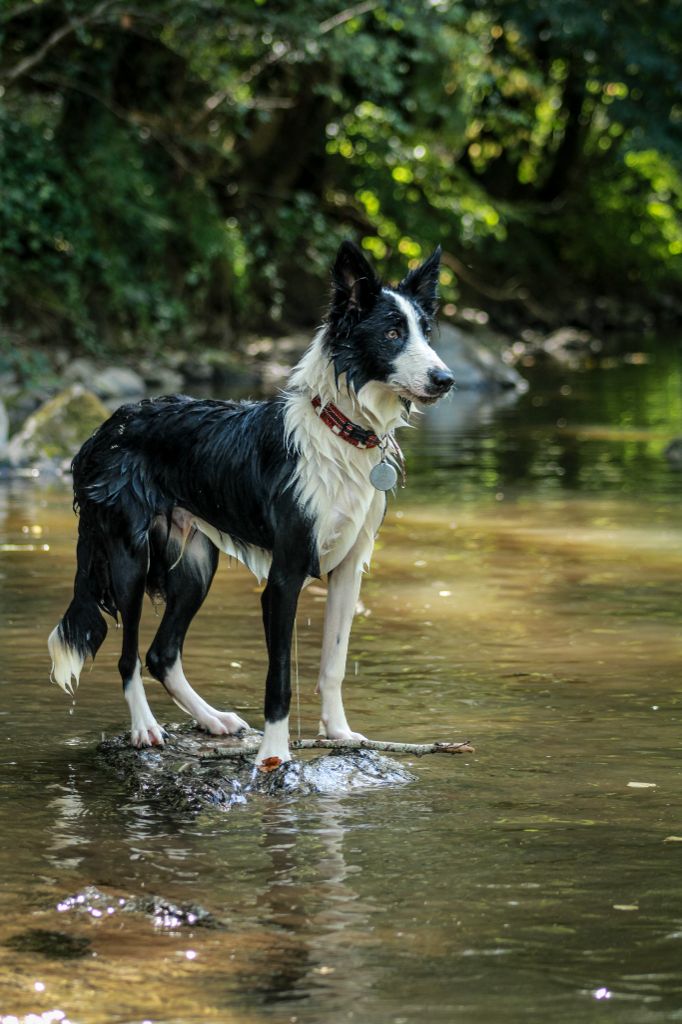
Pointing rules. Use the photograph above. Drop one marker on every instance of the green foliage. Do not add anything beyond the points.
(179, 164)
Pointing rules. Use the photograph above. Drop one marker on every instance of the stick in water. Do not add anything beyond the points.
(249, 746)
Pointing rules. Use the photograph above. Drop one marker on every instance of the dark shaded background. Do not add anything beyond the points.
(185, 170)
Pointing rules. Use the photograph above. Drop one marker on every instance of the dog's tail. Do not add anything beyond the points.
(82, 630)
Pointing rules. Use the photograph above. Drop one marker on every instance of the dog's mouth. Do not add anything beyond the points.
(419, 399)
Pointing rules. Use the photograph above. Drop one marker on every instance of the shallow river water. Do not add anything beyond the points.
(525, 594)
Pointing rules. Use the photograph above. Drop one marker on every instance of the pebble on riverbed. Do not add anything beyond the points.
(187, 775)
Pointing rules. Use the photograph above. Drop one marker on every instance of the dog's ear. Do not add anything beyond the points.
(422, 282)
(355, 286)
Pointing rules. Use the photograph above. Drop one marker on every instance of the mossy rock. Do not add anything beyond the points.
(55, 431)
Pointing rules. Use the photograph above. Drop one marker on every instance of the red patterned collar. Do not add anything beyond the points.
(343, 427)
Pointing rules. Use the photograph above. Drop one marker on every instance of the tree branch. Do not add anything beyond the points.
(30, 60)
(276, 55)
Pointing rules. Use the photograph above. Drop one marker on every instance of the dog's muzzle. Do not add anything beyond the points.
(440, 382)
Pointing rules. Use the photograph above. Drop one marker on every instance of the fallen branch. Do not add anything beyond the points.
(251, 745)
(418, 749)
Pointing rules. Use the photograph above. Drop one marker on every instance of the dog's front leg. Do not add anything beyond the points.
(279, 601)
(342, 598)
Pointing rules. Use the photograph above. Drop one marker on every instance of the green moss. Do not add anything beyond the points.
(58, 428)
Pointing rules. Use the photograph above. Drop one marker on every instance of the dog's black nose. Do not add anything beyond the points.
(440, 381)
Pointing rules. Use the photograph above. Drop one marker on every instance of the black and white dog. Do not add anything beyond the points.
(283, 485)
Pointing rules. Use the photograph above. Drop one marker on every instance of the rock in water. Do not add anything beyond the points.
(188, 774)
(4, 425)
(332, 773)
(55, 431)
(93, 902)
(476, 366)
(118, 382)
(673, 453)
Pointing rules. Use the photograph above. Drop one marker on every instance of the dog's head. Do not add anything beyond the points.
(379, 334)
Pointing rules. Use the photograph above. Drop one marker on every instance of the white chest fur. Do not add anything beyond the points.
(332, 483)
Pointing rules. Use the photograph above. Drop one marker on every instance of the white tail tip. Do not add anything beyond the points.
(67, 663)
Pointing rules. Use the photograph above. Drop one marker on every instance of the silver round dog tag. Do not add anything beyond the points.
(383, 476)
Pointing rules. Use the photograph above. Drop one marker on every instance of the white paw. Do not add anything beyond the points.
(268, 762)
(212, 724)
(333, 731)
(275, 742)
(221, 723)
(147, 734)
(233, 722)
(265, 752)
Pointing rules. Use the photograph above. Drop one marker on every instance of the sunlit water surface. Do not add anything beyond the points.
(525, 594)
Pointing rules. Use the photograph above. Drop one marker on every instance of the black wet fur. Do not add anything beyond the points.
(226, 462)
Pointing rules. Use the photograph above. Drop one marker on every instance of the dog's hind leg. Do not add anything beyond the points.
(128, 574)
(187, 581)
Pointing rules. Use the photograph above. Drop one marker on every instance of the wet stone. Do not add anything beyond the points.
(673, 453)
(52, 944)
(56, 430)
(191, 772)
(333, 773)
(92, 902)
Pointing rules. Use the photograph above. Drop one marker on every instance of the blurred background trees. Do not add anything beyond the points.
(187, 167)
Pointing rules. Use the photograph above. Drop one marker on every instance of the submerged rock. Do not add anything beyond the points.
(55, 431)
(188, 774)
(54, 945)
(92, 902)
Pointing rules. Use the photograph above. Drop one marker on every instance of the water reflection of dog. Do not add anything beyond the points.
(313, 921)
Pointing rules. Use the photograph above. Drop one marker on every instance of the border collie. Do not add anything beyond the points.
(294, 487)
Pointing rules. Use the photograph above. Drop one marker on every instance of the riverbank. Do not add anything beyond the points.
(52, 401)
(487, 365)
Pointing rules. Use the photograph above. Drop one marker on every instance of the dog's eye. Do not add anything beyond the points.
(392, 335)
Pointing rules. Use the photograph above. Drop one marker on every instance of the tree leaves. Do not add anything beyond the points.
(164, 162)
